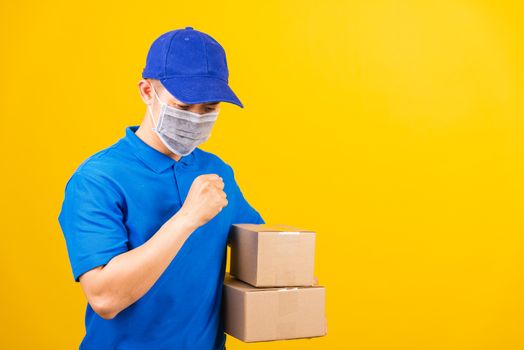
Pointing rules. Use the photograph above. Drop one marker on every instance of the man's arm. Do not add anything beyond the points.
(128, 276)
(243, 211)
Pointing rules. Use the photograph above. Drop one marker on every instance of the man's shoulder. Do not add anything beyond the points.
(106, 165)
(104, 160)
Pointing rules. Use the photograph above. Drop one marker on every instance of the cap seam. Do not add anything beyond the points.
(167, 51)
(205, 52)
(193, 75)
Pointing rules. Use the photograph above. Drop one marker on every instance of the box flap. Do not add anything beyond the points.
(245, 287)
(271, 228)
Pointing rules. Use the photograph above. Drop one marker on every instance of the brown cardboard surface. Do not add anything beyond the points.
(263, 314)
(272, 255)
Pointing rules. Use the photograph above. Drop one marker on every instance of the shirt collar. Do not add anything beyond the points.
(153, 158)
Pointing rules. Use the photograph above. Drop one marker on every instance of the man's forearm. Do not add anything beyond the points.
(128, 276)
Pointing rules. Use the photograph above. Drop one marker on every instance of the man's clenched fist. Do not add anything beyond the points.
(205, 199)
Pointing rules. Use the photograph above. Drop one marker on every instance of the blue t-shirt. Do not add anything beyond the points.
(115, 201)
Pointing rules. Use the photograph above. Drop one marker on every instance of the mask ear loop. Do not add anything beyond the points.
(150, 110)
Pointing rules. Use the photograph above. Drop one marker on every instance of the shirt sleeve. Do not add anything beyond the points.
(243, 212)
(92, 221)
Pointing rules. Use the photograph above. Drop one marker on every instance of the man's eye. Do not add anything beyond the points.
(211, 109)
(182, 107)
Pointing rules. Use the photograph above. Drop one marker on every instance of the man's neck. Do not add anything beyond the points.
(147, 135)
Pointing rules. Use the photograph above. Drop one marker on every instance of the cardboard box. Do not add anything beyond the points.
(272, 255)
(262, 314)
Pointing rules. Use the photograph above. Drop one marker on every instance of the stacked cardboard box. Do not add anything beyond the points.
(271, 292)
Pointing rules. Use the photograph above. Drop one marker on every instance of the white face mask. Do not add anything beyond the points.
(182, 131)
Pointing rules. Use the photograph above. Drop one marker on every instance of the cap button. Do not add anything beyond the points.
(189, 27)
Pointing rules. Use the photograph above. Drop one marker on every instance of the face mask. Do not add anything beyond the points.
(182, 131)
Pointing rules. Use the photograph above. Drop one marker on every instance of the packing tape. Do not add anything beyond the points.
(283, 275)
(286, 251)
(288, 232)
(286, 326)
(286, 330)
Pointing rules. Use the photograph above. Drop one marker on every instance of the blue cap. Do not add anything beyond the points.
(191, 65)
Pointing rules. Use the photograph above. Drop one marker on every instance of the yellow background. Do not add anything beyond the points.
(392, 128)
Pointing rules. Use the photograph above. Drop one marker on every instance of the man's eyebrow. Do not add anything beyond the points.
(187, 105)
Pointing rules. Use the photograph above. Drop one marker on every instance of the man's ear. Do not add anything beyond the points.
(145, 91)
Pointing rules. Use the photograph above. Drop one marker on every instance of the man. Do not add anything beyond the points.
(146, 220)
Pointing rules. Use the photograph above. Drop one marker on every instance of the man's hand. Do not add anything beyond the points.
(205, 199)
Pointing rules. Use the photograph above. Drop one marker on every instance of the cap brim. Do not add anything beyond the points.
(200, 89)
